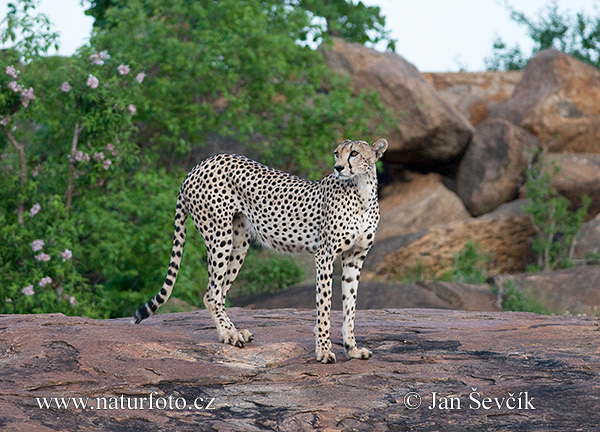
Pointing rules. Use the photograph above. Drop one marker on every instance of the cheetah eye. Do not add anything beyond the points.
(336, 154)
(353, 153)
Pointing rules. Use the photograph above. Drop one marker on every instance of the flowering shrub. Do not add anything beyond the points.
(64, 138)
(86, 216)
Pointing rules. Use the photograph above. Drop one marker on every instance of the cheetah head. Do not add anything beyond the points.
(354, 158)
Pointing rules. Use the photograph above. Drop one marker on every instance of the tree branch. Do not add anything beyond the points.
(22, 174)
(69, 193)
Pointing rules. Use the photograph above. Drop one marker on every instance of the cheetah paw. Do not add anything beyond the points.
(359, 353)
(237, 339)
(326, 357)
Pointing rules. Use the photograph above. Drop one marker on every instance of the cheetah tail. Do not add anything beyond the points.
(176, 252)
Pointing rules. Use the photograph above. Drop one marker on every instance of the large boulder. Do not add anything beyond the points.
(579, 175)
(588, 241)
(475, 94)
(567, 291)
(505, 239)
(493, 167)
(416, 204)
(558, 100)
(430, 130)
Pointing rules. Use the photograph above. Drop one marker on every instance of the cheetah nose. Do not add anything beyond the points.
(338, 168)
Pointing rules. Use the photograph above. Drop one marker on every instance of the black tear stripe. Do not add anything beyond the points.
(349, 164)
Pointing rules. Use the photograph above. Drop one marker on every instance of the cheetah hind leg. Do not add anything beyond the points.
(225, 260)
(240, 245)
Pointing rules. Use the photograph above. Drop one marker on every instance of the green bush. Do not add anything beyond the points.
(470, 265)
(39, 265)
(557, 227)
(266, 272)
(521, 301)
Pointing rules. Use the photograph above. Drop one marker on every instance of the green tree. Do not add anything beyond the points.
(235, 69)
(354, 22)
(556, 225)
(575, 34)
(28, 32)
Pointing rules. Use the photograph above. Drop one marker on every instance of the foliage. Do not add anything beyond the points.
(64, 139)
(520, 300)
(86, 217)
(470, 265)
(556, 225)
(266, 272)
(354, 22)
(414, 274)
(575, 34)
(505, 58)
(350, 21)
(39, 263)
(234, 69)
(28, 32)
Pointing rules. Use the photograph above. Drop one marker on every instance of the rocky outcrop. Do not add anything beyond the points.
(568, 291)
(588, 241)
(475, 94)
(493, 168)
(504, 239)
(548, 363)
(377, 295)
(417, 204)
(430, 130)
(558, 101)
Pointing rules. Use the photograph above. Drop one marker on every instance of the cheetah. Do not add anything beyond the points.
(232, 199)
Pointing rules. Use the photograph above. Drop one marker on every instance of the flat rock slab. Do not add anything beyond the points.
(492, 371)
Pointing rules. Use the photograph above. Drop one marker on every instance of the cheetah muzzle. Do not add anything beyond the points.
(232, 199)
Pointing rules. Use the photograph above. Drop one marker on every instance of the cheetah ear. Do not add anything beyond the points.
(380, 146)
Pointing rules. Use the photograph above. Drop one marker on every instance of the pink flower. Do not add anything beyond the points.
(66, 254)
(140, 77)
(42, 257)
(81, 156)
(66, 87)
(27, 95)
(45, 281)
(123, 69)
(15, 86)
(10, 70)
(72, 301)
(131, 108)
(4, 120)
(35, 210)
(28, 290)
(111, 148)
(37, 245)
(98, 156)
(98, 58)
(92, 81)
(107, 163)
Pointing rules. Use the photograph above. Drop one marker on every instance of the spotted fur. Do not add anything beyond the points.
(232, 199)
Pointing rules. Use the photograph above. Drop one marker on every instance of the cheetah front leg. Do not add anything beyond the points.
(324, 266)
(352, 261)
